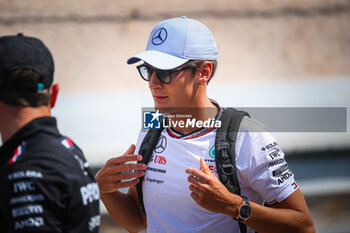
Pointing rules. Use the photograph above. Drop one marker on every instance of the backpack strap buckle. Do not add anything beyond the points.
(227, 167)
(223, 145)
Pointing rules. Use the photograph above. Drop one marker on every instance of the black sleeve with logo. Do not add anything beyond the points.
(50, 189)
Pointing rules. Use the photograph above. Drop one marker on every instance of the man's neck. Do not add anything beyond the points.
(15, 118)
(202, 111)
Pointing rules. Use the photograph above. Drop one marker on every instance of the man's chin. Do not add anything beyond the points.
(161, 108)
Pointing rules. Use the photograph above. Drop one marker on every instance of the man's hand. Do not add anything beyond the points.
(113, 174)
(210, 193)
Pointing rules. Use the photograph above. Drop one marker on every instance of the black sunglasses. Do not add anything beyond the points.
(163, 75)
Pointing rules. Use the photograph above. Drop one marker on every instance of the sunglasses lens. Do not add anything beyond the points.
(163, 76)
(146, 73)
(167, 78)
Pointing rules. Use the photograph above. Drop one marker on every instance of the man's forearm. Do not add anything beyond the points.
(267, 219)
(290, 215)
(123, 210)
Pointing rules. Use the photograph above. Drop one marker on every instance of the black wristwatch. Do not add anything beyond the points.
(244, 210)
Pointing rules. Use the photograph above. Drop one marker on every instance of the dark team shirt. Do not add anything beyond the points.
(46, 183)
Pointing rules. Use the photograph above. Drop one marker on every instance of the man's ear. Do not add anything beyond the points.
(54, 89)
(205, 71)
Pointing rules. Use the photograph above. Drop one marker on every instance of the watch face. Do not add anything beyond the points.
(245, 211)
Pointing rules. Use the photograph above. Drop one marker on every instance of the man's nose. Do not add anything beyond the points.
(154, 82)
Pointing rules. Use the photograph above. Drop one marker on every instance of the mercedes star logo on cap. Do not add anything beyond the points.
(159, 36)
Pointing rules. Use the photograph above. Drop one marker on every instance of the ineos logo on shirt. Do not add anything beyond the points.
(161, 145)
(159, 36)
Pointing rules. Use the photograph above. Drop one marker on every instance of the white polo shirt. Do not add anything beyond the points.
(262, 172)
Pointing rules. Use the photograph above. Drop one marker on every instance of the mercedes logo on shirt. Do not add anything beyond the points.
(159, 36)
(161, 145)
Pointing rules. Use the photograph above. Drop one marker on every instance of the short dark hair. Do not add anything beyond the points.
(198, 63)
(24, 98)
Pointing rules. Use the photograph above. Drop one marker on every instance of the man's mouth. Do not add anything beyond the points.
(159, 97)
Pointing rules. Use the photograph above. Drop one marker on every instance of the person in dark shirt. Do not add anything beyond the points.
(46, 183)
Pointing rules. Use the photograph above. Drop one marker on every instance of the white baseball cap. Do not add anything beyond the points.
(175, 41)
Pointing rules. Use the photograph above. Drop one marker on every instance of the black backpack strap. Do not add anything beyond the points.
(146, 150)
(225, 147)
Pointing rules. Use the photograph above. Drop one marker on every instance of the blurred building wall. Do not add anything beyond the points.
(260, 40)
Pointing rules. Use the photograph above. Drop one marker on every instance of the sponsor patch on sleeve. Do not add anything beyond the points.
(17, 153)
(67, 142)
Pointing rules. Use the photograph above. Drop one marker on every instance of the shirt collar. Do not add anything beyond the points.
(41, 124)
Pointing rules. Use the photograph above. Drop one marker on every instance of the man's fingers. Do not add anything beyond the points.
(193, 180)
(198, 174)
(128, 184)
(195, 196)
(114, 186)
(117, 168)
(131, 150)
(195, 189)
(126, 176)
(204, 166)
(124, 159)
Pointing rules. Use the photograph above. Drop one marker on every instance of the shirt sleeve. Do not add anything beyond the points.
(264, 168)
(34, 200)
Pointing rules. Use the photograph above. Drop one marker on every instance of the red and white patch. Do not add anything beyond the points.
(67, 143)
(295, 185)
(16, 154)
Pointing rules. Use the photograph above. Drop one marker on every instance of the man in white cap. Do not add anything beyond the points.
(180, 189)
